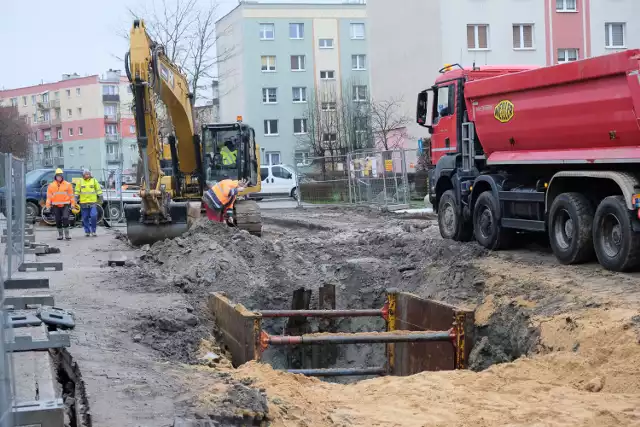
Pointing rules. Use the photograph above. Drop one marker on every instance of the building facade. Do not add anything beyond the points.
(409, 44)
(281, 59)
(79, 122)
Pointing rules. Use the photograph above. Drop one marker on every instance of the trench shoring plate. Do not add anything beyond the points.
(239, 327)
(418, 314)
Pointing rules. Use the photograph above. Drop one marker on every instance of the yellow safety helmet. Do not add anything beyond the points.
(59, 171)
(75, 209)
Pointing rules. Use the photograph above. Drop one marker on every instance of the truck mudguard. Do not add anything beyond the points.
(484, 183)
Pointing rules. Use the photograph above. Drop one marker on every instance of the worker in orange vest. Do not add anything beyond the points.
(60, 199)
(220, 198)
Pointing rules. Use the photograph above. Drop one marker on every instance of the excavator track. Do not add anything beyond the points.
(247, 215)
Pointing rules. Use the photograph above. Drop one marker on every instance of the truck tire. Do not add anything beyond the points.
(570, 228)
(450, 221)
(617, 246)
(486, 226)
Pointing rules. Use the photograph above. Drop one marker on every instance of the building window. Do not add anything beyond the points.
(24, 101)
(358, 62)
(47, 135)
(329, 137)
(111, 149)
(357, 31)
(296, 31)
(77, 91)
(327, 75)
(567, 55)
(271, 127)
(80, 130)
(79, 112)
(268, 63)
(269, 95)
(69, 112)
(56, 94)
(45, 97)
(110, 110)
(328, 106)
(566, 5)
(297, 63)
(109, 90)
(33, 100)
(359, 93)
(267, 31)
(59, 133)
(299, 94)
(614, 35)
(14, 102)
(301, 158)
(110, 129)
(325, 43)
(273, 158)
(523, 36)
(132, 129)
(477, 37)
(68, 93)
(299, 126)
(70, 150)
(35, 118)
(70, 131)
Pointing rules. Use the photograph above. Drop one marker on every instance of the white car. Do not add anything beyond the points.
(277, 180)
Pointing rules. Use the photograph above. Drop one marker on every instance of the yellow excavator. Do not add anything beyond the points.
(171, 197)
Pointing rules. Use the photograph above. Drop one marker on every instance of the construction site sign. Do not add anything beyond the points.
(388, 165)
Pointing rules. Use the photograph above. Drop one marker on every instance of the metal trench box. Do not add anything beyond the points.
(239, 329)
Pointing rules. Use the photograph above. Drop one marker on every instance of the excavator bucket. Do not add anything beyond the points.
(183, 215)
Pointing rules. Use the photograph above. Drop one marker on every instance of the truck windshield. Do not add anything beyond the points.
(221, 147)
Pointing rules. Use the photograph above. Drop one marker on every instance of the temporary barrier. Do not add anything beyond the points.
(413, 344)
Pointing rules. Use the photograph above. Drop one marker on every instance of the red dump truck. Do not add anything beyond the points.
(553, 150)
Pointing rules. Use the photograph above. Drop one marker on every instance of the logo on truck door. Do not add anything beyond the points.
(503, 111)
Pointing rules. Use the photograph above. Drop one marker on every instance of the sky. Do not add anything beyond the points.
(43, 39)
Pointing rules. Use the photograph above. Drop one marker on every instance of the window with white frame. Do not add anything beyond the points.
(301, 158)
(566, 6)
(56, 94)
(110, 110)
(567, 55)
(46, 116)
(268, 63)
(45, 97)
(132, 129)
(71, 150)
(24, 101)
(325, 43)
(79, 111)
(477, 36)
(47, 135)
(296, 31)
(112, 148)
(80, 130)
(299, 94)
(357, 31)
(271, 127)
(359, 93)
(299, 126)
(267, 31)
(110, 129)
(297, 63)
(69, 112)
(68, 93)
(33, 100)
(360, 124)
(269, 95)
(77, 91)
(109, 90)
(327, 75)
(273, 158)
(328, 106)
(59, 133)
(614, 37)
(358, 62)
(70, 131)
(35, 118)
(14, 102)
(522, 36)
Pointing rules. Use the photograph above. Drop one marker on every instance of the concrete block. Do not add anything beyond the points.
(27, 283)
(29, 301)
(40, 266)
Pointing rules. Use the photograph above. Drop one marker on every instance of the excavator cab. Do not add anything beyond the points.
(229, 152)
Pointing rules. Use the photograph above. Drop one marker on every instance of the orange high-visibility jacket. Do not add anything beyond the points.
(59, 194)
(225, 193)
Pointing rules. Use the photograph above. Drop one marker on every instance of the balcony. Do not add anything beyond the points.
(113, 137)
(110, 98)
(43, 123)
(54, 103)
(56, 121)
(114, 157)
(47, 162)
(110, 118)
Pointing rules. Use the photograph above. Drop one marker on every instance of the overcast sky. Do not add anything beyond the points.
(42, 39)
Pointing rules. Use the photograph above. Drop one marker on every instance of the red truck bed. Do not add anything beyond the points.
(580, 112)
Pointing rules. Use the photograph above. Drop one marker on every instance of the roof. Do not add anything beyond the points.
(268, 4)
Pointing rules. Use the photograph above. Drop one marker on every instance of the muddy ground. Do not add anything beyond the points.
(525, 305)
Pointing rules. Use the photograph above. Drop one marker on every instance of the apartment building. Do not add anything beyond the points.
(79, 122)
(283, 57)
(409, 44)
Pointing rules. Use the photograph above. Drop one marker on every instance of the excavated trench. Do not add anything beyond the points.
(264, 273)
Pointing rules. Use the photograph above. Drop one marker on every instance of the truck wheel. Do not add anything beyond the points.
(617, 246)
(570, 224)
(450, 222)
(486, 226)
(32, 210)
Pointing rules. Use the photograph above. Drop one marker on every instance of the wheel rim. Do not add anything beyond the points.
(31, 210)
(485, 222)
(611, 237)
(564, 229)
(114, 213)
(449, 217)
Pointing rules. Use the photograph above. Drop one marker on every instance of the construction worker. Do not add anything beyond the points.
(229, 153)
(220, 198)
(59, 200)
(89, 192)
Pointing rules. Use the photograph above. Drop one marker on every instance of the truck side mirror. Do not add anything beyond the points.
(422, 110)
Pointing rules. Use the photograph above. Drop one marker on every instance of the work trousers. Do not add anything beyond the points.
(61, 214)
(89, 217)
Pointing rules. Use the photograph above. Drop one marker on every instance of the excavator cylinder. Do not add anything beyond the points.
(183, 215)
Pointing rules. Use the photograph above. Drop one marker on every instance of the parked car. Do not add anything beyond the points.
(277, 180)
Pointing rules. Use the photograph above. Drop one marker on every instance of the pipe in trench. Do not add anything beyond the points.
(381, 337)
(337, 372)
(323, 313)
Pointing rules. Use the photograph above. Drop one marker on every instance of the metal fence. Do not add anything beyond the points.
(365, 177)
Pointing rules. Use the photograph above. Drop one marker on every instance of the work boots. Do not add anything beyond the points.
(60, 234)
(67, 236)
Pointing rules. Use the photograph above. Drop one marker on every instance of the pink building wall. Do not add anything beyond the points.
(567, 30)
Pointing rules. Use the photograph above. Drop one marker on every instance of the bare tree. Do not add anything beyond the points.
(14, 133)
(389, 123)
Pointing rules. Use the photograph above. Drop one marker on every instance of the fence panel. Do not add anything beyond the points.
(379, 178)
(118, 188)
(325, 180)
